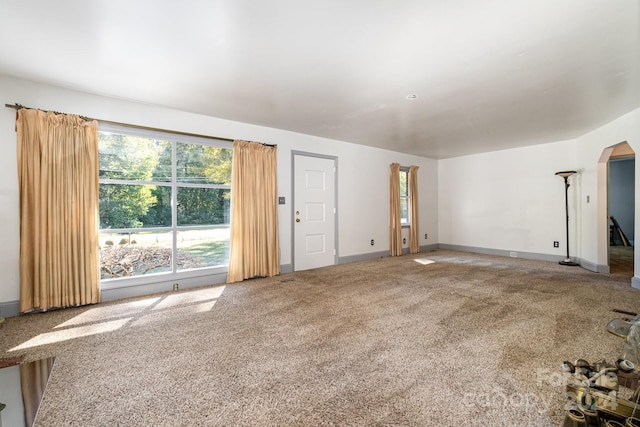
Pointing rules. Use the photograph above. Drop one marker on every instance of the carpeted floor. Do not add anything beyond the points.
(468, 340)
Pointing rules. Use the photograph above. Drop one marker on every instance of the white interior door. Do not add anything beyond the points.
(314, 212)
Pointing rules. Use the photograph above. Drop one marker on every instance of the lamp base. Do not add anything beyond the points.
(568, 261)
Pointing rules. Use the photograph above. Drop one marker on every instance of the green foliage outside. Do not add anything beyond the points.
(130, 158)
(134, 204)
(404, 193)
(404, 187)
(127, 158)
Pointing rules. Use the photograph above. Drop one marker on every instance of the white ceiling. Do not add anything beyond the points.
(489, 74)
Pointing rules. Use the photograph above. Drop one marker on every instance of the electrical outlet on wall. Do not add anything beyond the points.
(372, 242)
(556, 244)
(425, 236)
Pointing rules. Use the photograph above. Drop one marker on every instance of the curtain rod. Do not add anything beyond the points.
(17, 107)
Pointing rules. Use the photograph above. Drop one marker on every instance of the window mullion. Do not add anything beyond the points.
(192, 185)
(174, 206)
(133, 182)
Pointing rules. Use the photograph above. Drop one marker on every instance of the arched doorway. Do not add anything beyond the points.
(616, 180)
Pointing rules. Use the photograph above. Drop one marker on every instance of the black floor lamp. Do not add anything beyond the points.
(566, 175)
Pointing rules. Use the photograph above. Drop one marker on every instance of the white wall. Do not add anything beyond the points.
(625, 128)
(511, 200)
(508, 200)
(11, 395)
(363, 172)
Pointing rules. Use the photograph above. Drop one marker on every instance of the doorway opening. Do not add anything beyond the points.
(616, 225)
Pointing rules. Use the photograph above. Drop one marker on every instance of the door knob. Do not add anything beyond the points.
(297, 219)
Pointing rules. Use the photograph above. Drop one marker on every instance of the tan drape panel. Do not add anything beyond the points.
(34, 377)
(254, 212)
(414, 233)
(395, 236)
(58, 182)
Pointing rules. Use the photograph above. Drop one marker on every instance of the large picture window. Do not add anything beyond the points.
(164, 202)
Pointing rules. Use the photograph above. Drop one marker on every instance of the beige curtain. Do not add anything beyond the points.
(58, 184)
(254, 212)
(395, 235)
(34, 377)
(414, 233)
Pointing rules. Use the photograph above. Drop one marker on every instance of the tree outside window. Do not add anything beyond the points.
(164, 204)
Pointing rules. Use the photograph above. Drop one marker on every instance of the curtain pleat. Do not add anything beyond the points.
(395, 235)
(34, 377)
(58, 185)
(255, 249)
(414, 233)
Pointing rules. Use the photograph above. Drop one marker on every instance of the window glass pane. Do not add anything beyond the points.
(148, 158)
(134, 158)
(404, 196)
(134, 206)
(203, 164)
(203, 248)
(404, 188)
(203, 206)
(134, 254)
(404, 210)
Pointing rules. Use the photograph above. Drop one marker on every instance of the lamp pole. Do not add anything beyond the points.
(566, 175)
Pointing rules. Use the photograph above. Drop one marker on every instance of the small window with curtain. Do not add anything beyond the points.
(404, 196)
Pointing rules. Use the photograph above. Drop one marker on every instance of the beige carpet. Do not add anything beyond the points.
(467, 340)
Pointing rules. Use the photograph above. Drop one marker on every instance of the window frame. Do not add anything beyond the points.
(174, 184)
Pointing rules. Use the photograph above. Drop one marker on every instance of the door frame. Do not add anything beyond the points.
(602, 220)
(295, 153)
